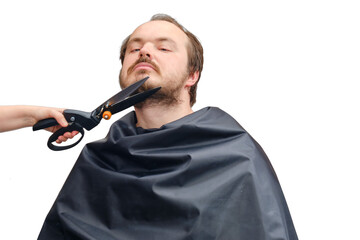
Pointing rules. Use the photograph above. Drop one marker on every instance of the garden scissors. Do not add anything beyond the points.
(78, 120)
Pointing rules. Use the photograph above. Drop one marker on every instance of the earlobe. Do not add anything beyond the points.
(193, 78)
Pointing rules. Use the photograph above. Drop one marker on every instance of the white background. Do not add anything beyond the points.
(286, 70)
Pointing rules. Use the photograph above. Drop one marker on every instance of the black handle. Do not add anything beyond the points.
(61, 131)
(45, 123)
(83, 118)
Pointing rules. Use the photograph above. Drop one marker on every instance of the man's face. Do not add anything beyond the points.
(157, 49)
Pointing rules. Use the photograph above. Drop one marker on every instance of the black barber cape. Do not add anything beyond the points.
(201, 177)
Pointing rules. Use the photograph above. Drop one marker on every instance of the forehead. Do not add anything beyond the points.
(159, 30)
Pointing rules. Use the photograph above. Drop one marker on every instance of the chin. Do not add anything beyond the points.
(137, 76)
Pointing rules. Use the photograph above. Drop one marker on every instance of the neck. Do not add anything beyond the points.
(157, 115)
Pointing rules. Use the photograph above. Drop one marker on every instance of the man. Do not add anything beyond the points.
(164, 171)
(160, 49)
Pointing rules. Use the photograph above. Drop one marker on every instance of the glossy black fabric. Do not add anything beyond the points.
(200, 177)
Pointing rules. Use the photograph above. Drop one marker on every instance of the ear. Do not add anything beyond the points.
(192, 79)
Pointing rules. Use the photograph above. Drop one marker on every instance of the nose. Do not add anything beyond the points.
(145, 52)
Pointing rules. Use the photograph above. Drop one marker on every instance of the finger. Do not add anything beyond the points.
(59, 117)
(62, 139)
(74, 133)
(68, 135)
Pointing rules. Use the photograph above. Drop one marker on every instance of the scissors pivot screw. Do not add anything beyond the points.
(107, 115)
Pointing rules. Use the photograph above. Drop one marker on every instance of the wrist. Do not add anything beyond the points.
(28, 115)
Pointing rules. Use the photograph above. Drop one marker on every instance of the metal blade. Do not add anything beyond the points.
(127, 91)
(131, 101)
(121, 95)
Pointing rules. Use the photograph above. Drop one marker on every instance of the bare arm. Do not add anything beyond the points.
(15, 117)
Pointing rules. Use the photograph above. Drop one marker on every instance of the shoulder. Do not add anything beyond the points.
(216, 116)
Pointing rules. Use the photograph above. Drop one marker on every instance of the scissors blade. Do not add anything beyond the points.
(120, 95)
(125, 92)
(131, 101)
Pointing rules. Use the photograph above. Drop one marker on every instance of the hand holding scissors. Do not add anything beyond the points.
(78, 120)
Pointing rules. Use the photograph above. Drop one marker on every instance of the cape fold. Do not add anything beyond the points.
(200, 177)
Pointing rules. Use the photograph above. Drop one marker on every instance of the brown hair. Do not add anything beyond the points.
(195, 52)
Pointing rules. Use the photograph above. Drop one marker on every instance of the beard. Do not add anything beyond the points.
(168, 95)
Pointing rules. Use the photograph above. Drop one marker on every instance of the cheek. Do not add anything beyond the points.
(126, 64)
(183, 62)
(121, 79)
(176, 65)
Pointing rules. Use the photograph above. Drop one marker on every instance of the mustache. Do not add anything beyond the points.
(143, 60)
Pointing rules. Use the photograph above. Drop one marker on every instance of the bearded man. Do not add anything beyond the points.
(164, 171)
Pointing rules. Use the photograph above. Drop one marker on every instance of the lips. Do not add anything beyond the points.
(143, 66)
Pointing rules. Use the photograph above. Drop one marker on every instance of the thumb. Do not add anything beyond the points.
(59, 117)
